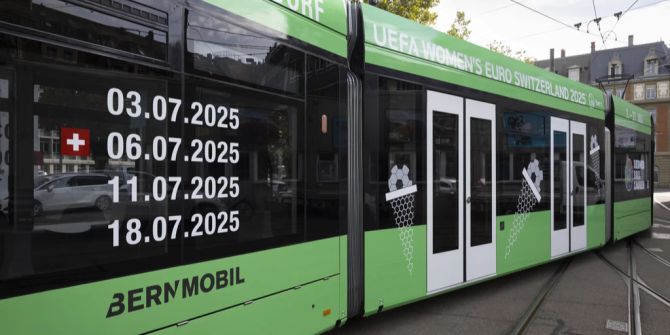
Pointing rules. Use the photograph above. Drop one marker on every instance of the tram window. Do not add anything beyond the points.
(326, 155)
(445, 182)
(578, 162)
(269, 198)
(632, 164)
(523, 141)
(480, 185)
(290, 175)
(73, 20)
(89, 219)
(397, 140)
(560, 180)
(220, 49)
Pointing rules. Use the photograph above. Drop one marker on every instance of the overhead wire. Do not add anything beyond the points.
(552, 18)
(597, 21)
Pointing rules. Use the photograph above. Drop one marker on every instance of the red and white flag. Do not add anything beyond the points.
(75, 142)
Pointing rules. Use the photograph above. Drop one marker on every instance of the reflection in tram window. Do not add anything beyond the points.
(75, 21)
(524, 139)
(269, 200)
(73, 200)
(481, 181)
(397, 141)
(578, 159)
(221, 49)
(560, 180)
(445, 177)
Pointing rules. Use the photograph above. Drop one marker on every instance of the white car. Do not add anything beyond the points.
(71, 191)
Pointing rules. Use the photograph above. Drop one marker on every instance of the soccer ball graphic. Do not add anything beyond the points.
(399, 176)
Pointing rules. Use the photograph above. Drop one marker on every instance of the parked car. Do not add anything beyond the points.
(70, 191)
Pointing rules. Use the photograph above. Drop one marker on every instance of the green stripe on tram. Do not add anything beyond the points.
(396, 43)
(631, 116)
(85, 308)
(631, 216)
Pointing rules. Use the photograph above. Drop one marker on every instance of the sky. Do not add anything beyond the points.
(522, 29)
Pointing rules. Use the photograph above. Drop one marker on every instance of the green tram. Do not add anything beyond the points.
(282, 166)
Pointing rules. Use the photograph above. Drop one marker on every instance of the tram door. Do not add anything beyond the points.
(568, 186)
(461, 190)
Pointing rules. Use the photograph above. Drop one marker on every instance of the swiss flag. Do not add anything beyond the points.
(75, 142)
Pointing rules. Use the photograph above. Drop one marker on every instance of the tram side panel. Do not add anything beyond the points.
(632, 170)
(399, 242)
(138, 197)
(420, 155)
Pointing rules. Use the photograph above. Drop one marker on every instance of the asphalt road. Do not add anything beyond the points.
(622, 288)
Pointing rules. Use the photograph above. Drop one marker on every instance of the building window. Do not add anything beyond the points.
(650, 92)
(615, 69)
(639, 92)
(573, 73)
(620, 92)
(651, 67)
(663, 90)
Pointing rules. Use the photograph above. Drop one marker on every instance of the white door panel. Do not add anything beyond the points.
(568, 186)
(480, 192)
(445, 258)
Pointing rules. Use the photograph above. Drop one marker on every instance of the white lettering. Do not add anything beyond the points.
(406, 43)
(307, 8)
(393, 39)
(319, 9)
(413, 49)
(428, 50)
(379, 41)
(293, 4)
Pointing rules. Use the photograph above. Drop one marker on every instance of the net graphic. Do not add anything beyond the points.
(528, 198)
(403, 204)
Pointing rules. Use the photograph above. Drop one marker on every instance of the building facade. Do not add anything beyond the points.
(639, 74)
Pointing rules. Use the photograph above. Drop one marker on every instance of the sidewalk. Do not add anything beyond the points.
(662, 196)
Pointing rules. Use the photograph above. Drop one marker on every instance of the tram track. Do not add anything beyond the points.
(537, 302)
(635, 284)
(660, 259)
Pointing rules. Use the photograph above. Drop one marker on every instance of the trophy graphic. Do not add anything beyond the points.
(402, 203)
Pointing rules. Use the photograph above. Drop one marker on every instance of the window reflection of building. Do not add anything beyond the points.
(48, 141)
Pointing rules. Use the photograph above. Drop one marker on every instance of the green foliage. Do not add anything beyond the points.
(521, 55)
(459, 28)
(416, 10)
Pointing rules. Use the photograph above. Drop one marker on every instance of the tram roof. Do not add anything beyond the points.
(397, 43)
(320, 23)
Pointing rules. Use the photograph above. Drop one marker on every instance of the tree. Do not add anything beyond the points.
(459, 28)
(521, 55)
(415, 10)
